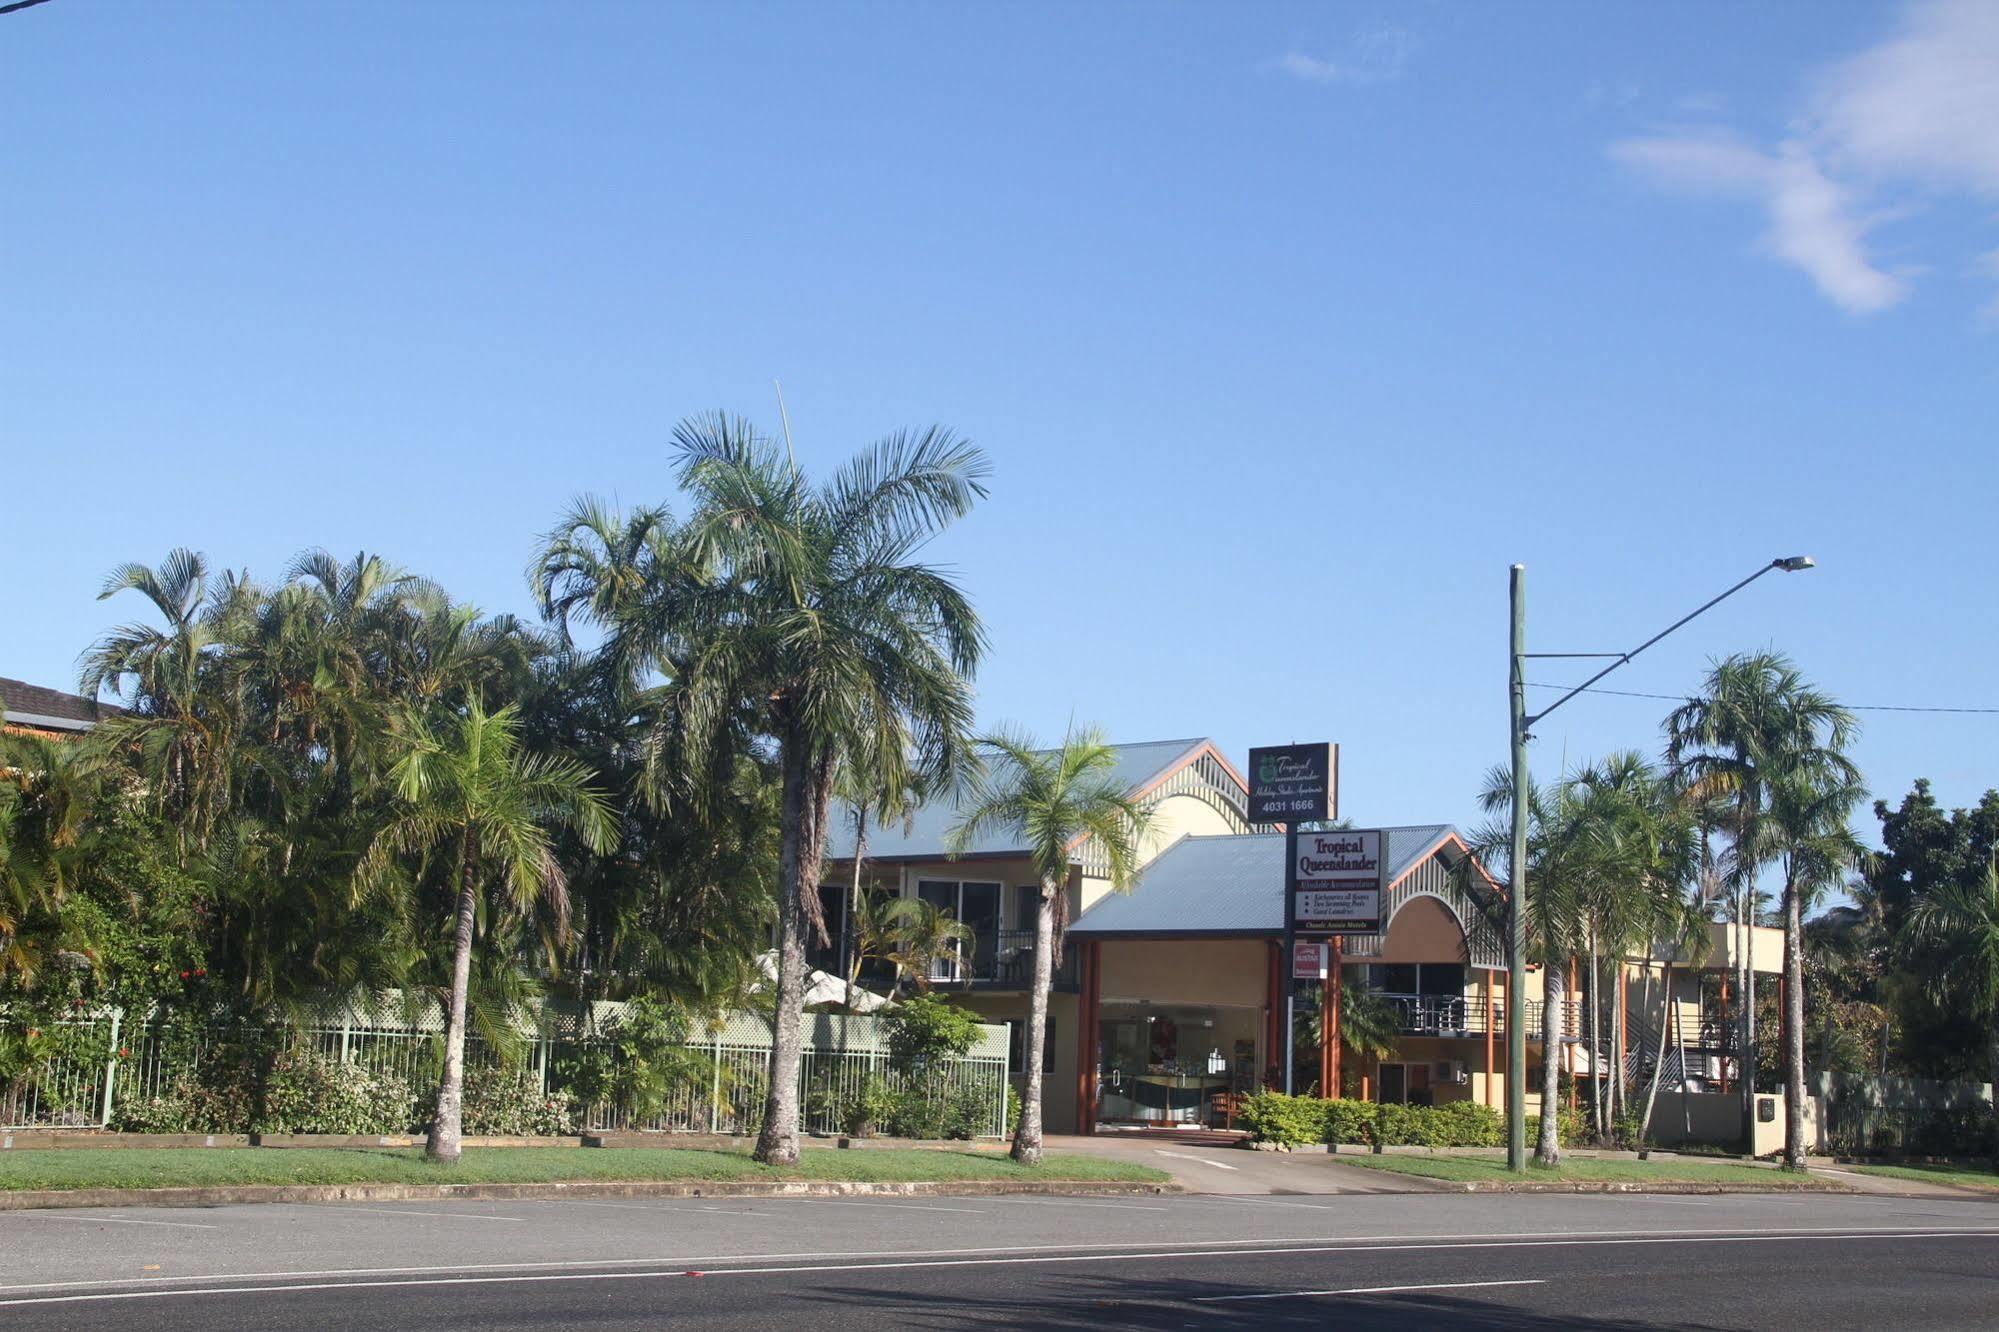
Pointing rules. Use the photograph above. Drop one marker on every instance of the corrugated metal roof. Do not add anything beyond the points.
(1228, 885)
(1137, 766)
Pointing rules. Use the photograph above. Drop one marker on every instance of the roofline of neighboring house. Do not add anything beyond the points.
(1195, 749)
(42, 722)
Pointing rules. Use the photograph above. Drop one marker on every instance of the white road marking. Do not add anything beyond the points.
(1071, 1202)
(1184, 1156)
(1683, 1202)
(682, 1268)
(1369, 1290)
(901, 1207)
(1258, 1200)
(118, 1221)
(1190, 1248)
(399, 1211)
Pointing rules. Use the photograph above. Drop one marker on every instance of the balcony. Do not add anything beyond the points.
(1455, 1015)
(1002, 960)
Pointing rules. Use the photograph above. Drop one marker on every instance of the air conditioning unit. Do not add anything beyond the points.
(1449, 1070)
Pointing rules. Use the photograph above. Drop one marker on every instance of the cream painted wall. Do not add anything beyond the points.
(1424, 930)
(1058, 1085)
(1193, 971)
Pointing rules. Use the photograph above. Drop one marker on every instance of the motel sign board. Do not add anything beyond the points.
(1291, 783)
(1333, 882)
(1308, 960)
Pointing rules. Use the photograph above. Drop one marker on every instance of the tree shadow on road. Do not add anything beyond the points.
(1097, 1302)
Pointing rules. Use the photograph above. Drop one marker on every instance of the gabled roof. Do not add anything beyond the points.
(23, 704)
(1139, 767)
(1230, 885)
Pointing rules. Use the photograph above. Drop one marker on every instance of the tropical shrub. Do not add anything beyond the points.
(511, 1102)
(305, 1091)
(1297, 1120)
(1290, 1121)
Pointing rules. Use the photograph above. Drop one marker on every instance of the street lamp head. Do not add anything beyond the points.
(1794, 563)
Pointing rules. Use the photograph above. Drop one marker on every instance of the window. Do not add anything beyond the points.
(973, 904)
(1016, 1059)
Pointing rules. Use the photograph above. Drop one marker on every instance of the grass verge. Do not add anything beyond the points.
(1479, 1169)
(171, 1167)
(1958, 1176)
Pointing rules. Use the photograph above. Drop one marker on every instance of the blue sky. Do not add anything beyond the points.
(1288, 329)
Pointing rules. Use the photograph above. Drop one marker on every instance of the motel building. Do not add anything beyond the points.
(1170, 1001)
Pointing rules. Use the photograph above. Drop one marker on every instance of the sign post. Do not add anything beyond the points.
(1333, 882)
(1290, 785)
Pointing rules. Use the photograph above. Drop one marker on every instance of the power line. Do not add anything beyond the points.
(1851, 707)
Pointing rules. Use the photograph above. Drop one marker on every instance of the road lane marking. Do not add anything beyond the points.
(1070, 1202)
(118, 1220)
(901, 1207)
(682, 1268)
(1370, 1290)
(399, 1211)
(1184, 1156)
(1260, 1201)
(1191, 1248)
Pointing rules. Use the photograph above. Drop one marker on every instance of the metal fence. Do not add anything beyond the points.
(144, 1059)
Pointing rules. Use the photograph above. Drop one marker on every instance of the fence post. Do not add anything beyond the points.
(111, 1067)
(715, 1085)
(346, 1034)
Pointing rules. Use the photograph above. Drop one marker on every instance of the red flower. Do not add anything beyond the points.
(124, 1053)
(183, 975)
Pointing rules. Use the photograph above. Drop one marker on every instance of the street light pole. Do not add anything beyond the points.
(1516, 915)
(1522, 724)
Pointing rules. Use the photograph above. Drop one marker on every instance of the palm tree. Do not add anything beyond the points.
(468, 790)
(1574, 844)
(1774, 748)
(180, 722)
(1370, 1026)
(799, 613)
(919, 935)
(1644, 850)
(1054, 801)
(1954, 935)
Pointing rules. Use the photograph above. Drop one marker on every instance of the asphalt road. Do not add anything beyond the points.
(1429, 1260)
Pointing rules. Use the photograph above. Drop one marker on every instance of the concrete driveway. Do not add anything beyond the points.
(1204, 1166)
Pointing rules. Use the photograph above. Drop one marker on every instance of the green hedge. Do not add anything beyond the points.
(1296, 1121)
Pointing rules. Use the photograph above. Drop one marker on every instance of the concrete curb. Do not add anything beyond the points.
(1631, 1186)
(22, 1200)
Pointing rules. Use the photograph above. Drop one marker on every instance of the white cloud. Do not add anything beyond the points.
(1375, 55)
(1924, 104)
(1918, 111)
(1811, 221)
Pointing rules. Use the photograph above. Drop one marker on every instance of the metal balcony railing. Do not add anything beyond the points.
(1455, 1015)
(1001, 958)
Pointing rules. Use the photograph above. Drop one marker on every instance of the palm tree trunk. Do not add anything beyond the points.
(1794, 1024)
(1027, 1137)
(1548, 1152)
(447, 1124)
(1745, 931)
(1620, 1091)
(1596, 1081)
(853, 960)
(800, 843)
(1659, 1063)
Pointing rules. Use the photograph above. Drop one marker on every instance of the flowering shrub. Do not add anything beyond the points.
(306, 1092)
(511, 1102)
